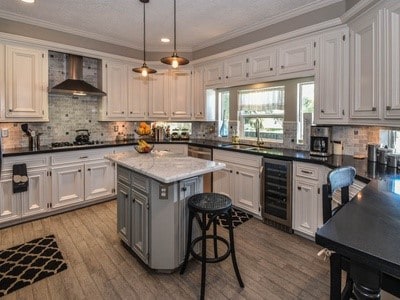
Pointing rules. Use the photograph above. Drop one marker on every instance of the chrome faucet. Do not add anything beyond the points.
(258, 125)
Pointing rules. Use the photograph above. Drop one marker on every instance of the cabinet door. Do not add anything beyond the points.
(99, 179)
(158, 97)
(9, 202)
(366, 50)
(187, 188)
(199, 94)
(213, 73)
(35, 200)
(305, 202)
(247, 189)
(116, 87)
(262, 63)
(392, 109)
(181, 94)
(223, 181)
(296, 56)
(123, 213)
(139, 224)
(67, 185)
(138, 96)
(26, 83)
(235, 69)
(332, 76)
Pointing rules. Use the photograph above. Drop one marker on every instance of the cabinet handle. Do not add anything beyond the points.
(79, 170)
(184, 189)
(126, 196)
(89, 169)
(388, 107)
(83, 157)
(343, 112)
(319, 191)
(322, 111)
(374, 109)
(299, 188)
(271, 69)
(133, 200)
(306, 172)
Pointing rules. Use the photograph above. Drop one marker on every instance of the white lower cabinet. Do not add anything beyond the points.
(99, 179)
(240, 180)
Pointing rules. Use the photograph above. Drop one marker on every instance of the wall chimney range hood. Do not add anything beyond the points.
(75, 85)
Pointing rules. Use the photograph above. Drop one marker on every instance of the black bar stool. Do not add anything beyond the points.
(209, 206)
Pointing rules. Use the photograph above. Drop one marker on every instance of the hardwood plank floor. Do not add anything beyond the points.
(273, 264)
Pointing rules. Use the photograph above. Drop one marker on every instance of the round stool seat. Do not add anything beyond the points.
(209, 202)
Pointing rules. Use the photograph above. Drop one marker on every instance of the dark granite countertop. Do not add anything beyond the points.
(365, 170)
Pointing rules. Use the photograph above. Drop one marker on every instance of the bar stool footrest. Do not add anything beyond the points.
(210, 259)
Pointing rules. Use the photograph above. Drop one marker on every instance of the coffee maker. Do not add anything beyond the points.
(320, 141)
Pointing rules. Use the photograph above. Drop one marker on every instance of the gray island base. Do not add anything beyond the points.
(152, 213)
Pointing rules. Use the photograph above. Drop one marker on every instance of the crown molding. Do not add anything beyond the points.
(357, 9)
(276, 19)
(275, 39)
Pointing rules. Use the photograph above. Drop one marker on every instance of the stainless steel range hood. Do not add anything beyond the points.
(75, 85)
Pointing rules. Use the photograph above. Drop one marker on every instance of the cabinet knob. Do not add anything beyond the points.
(184, 189)
(282, 67)
(226, 77)
(131, 112)
(322, 110)
(299, 188)
(219, 77)
(374, 109)
(237, 172)
(271, 69)
(79, 170)
(230, 171)
(126, 196)
(201, 113)
(89, 169)
(133, 200)
(388, 108)
(10, 109)
(123, 112)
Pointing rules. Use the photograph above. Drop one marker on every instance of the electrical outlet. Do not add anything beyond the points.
(4, 132)
(116, 128)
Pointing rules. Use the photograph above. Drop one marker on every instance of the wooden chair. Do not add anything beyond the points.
(340, 178)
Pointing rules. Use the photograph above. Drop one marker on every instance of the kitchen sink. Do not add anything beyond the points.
(246, 147)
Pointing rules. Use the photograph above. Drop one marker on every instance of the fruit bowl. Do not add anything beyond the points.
(144, 149)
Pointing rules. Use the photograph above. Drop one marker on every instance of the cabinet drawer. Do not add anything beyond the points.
(235, 158)
(31, 161)
(123, 175)
(307, 171)
(78, 156)
(140, 182)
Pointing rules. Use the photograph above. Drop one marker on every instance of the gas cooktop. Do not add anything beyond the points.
(74, 144)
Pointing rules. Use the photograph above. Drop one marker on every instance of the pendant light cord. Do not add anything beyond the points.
(144, 32)
(175, 26)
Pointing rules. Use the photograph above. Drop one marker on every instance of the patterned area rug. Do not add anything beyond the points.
(30, 262)
(238, 217)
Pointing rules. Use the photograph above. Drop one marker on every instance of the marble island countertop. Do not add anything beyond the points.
(165, 166)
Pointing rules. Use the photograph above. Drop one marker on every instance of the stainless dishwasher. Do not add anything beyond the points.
(277, 193)
(203, 153)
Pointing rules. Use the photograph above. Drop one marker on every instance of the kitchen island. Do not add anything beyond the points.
(152, 193)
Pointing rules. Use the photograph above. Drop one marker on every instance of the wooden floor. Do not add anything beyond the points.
(273, 264)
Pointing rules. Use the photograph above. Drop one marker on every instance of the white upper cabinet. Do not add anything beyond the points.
(262, 63)
(213, 73)
(332, 77)
(366, 65)
(199, 94)
(235, 69)
(392, 109)
(181, 94)
(138, 95)
(115, 84)
(159, 95)
(26, 83)
(296, 56)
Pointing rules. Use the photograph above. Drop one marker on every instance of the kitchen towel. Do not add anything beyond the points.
(20, 178)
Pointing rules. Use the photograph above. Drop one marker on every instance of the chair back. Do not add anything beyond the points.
(339, 178)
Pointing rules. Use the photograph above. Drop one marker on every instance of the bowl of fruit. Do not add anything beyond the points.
(143, 147)
(143, 129)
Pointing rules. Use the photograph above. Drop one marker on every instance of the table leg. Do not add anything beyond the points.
(367, 281)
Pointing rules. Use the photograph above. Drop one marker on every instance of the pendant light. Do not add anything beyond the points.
(174, 60)
(144, 69)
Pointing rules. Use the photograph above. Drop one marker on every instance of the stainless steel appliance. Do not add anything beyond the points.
(203, 153)
(373, 152)
(382, 155)
(320, 141)
(277, 193)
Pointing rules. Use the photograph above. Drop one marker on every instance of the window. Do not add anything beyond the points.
(305, 107)
(266, 105)
(223, 109)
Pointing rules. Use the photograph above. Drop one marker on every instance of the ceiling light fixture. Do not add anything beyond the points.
(29, 1)
(144, 69)
(174, 60)
(165, 40)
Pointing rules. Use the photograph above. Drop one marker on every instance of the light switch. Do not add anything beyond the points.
(163, 192)
(4, 132)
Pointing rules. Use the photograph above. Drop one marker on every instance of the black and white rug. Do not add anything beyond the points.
(27, 263)
(238, 217)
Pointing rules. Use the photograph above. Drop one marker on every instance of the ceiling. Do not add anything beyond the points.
(199, 23)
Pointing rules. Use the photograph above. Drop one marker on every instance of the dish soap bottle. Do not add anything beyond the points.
(223, 131)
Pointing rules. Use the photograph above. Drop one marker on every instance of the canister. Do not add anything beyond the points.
(373, 152)
(337, 147)
(392, 159)
(382, 153)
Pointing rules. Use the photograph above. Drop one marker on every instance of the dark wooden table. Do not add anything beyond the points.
(367, 231)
